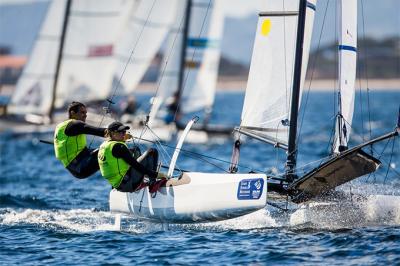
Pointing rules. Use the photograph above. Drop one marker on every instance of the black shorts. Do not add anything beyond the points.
(131, 181)
(134, 178)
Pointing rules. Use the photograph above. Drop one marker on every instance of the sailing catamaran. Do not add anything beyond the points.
(269, 114)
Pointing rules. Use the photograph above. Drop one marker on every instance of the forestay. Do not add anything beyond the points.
(94, 27)
(266, 107)
(347, 70)
(33, 92)
(142, 38)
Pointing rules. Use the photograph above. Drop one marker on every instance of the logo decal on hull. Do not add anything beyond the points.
(250, 189)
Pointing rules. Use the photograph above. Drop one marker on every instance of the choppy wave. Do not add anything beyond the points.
(49, 217)
(78, 220)
(22, 202)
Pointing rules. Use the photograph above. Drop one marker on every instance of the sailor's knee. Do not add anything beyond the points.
(153, 151)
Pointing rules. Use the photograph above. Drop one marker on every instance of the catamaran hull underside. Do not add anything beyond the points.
(335, 172)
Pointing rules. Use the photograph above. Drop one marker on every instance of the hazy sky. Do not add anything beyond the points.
(233, 7)
(242, 7)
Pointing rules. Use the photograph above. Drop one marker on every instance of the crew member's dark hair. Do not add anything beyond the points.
(74, 106)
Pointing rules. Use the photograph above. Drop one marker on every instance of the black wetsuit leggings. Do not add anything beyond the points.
(85, 164)
(133, 178)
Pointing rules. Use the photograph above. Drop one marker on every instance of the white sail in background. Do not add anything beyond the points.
(202, 57)
(347, 70)
(170, 66)
(143, 35)
(266, 108)
(87, 69)
(33, 93)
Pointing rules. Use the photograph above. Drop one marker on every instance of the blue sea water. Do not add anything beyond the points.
(48, 217)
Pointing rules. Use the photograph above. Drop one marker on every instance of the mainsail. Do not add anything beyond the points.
(33, 93)
(201, 57)
(74, 49)
(347, 71)
(266, 108)
(143, 36)
(87, 69)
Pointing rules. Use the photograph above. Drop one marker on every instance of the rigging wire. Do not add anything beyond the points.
(312, 74)
(366, 71)
(366, 74)
(285, 59)
(167, 61)
(336, 59)
(118, 83)
(313, 69)
(390, 162)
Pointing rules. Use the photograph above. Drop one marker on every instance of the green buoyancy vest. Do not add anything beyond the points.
(67, 147)
(112, 168)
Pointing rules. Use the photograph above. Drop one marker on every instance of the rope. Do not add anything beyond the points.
(366, 71)
(390, 162)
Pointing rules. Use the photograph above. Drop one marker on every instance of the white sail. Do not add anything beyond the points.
(33, 93)
(347, 70)
(202, 57)
(94, 27)
(170, 66)
(144, 33)
(266, 108)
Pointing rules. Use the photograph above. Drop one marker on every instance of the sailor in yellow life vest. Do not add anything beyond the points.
(70, 142)
(118, 165)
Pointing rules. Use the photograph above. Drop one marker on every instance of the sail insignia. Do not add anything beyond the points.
(269, 87)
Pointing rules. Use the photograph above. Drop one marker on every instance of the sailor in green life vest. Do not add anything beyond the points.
(70, 142)
(118, 165)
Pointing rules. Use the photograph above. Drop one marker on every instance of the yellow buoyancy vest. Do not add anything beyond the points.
(67, 147)
(112, 168)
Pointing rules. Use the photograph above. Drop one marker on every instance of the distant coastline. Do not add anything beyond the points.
(239, 84)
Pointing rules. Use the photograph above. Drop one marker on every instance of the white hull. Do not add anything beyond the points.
(200, 197)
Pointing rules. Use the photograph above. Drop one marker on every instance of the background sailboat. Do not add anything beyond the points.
(82, 53)
(191, 68)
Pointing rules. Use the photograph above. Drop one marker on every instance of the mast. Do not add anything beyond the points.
(59, 57)
(292, 149)
(183, 54)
